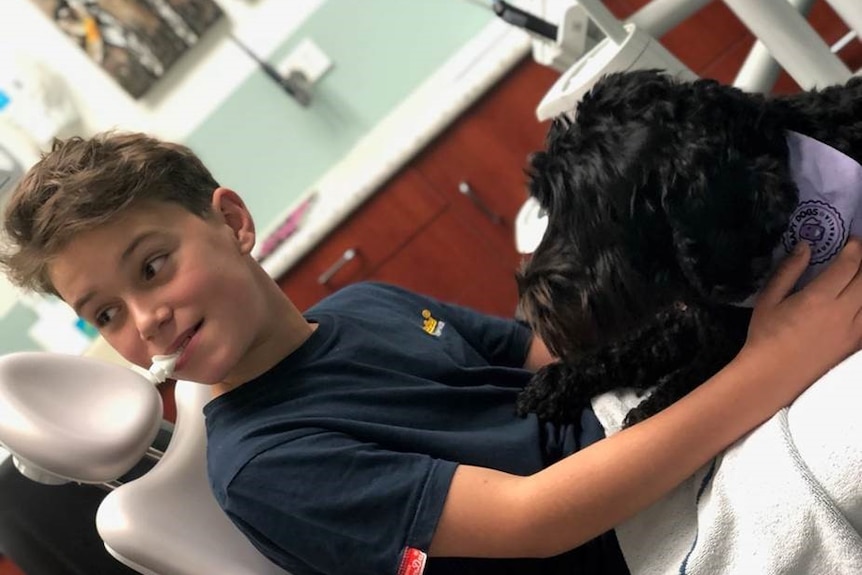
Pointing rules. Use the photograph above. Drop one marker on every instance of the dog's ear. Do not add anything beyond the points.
(606, 255)
(727, 217)
(727, 192)
(581, 287)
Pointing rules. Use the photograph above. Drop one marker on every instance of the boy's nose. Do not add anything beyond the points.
(149, 319)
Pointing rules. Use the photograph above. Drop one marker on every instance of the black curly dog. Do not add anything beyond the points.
(665, 202)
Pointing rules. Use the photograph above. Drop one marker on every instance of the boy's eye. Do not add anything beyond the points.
(152, 267)
(105, 316)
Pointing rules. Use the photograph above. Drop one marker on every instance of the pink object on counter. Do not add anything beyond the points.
(286, 229)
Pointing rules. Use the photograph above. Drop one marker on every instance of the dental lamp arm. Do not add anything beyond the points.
(523, 19)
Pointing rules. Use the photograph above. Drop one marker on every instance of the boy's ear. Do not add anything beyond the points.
(229, 206)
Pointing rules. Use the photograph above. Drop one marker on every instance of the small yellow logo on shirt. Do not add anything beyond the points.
(430, 325)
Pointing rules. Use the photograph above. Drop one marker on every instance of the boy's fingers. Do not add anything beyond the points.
(785, 277)
(839, 275)
(853, 289)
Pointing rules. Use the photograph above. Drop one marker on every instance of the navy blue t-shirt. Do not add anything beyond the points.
(340, 457)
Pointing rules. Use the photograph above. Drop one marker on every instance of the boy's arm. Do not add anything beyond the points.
(538, 355)
(791, 343)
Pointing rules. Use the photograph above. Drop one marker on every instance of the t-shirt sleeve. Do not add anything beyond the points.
(501, 341)
(341, 507)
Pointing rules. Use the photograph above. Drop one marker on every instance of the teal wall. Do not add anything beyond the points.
(271, 150)
(13, 330)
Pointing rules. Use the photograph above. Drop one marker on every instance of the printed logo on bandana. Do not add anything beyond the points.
(430, 325)
(412, 562)
(820, 225)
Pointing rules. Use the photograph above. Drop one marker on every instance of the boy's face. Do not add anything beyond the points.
(160, 279)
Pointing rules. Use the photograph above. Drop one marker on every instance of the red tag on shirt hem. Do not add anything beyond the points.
(412, 562)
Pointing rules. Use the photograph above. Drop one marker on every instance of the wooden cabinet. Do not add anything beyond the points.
(389, 220)
(452, 262)
(443, 225)
(479, 163)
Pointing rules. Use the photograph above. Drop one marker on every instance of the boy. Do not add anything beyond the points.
(380, 426)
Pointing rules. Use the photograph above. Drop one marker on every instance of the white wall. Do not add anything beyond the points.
(188, 92)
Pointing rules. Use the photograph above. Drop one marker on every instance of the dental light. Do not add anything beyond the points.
(624, 47)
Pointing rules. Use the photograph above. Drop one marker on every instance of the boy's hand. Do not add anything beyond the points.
(810, 331)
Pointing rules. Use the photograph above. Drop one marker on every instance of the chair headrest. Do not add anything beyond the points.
(78, 418)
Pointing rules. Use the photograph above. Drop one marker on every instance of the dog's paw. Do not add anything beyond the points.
(669, 389)
(636, 415)
(529, 401)
(552, 395)
(548, 408)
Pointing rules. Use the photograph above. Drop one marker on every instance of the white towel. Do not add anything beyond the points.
(787, 498)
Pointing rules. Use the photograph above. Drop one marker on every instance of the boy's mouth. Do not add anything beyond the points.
(186, 339)
(184, 345)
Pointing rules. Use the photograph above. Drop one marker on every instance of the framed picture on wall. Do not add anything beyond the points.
(134, 41)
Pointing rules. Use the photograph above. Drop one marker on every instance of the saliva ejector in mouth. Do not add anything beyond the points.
(163, 367)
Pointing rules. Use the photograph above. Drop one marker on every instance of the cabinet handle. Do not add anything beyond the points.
(467, 190)
(348, 255)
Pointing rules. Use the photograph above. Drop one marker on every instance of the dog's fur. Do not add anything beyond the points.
(665, 202)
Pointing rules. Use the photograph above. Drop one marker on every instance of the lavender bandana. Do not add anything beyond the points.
(830, 202)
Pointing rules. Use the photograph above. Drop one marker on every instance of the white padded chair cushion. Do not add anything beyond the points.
(168, 522)
(79, 418)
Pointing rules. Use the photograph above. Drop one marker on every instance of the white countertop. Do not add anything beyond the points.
(398, 137)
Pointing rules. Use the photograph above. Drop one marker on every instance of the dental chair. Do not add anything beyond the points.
(785, 41)
(68, 418)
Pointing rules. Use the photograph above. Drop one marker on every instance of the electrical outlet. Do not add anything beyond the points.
(308, 58)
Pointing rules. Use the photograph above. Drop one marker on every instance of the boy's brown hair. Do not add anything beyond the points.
(82, 183)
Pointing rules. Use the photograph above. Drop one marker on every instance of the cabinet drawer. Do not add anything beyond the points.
(374, 232)
(479, 162)
(449, 261)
